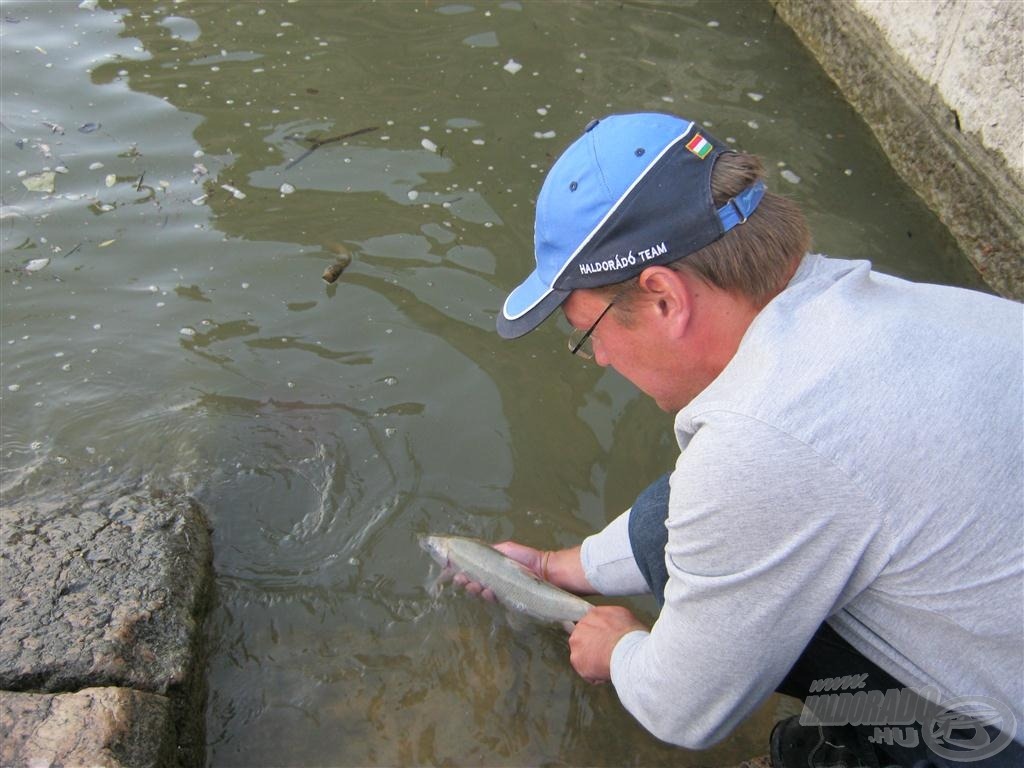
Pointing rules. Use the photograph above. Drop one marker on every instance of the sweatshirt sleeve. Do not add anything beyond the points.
(608, 562)
(766, 540)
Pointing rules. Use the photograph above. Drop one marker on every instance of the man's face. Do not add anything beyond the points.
(634, 345)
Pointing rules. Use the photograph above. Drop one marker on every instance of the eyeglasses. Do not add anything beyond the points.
(579, 340)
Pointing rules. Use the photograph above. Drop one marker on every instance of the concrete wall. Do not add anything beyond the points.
(941, 84)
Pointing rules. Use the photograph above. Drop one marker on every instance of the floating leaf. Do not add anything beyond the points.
(41, 182)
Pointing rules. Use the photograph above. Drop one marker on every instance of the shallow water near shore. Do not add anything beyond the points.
(164, 319)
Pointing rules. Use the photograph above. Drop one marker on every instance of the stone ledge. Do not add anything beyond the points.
(108, 591)
(108, 727)
(972, 188)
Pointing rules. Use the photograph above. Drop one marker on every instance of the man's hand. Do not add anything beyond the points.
(592, 642)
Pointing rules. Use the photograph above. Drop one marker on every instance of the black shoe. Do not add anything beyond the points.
(819, 746)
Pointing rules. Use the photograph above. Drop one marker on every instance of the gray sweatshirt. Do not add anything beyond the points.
(859, 460)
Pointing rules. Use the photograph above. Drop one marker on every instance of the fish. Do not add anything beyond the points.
(514, 586)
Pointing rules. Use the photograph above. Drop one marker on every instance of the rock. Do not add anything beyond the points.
(108, 727)
(108, 592)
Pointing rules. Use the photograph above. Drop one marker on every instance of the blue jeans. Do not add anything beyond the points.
(827, 655)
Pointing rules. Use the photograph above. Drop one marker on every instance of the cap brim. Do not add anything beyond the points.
(528, 306)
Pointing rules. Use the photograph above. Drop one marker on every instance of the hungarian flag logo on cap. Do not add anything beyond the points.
(699, 146)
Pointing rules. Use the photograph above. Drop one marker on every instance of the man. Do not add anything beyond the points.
(846, 509)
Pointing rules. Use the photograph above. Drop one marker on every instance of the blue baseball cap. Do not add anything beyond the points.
(633, 191)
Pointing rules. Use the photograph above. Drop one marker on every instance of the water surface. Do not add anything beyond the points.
(181, 335)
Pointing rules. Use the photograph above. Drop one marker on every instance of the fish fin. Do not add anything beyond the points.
(434, 588)
(518, 622)
(437, 585)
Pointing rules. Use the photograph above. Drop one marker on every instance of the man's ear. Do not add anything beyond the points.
(669, 296)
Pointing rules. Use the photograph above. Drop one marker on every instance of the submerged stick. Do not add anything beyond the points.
(318, 142)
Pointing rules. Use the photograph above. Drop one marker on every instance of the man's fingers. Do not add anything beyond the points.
(474, 588)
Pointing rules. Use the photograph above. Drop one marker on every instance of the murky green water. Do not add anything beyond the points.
(180, 332)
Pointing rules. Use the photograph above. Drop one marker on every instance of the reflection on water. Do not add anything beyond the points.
(181, 333)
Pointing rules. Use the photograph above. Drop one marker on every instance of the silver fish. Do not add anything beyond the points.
(513, 585)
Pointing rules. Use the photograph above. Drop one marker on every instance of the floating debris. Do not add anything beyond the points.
(789, 176)
(110, 180)
(428, 145)
(512, 66)
(95, 166)
(40, 182)
(200, 200)
(286, 189)
(333, 272)
(235, 192)
(105, 243)
(88, 5)
(36, 264)
(187, 332)
(755, 96)
(544, 134)
(88, 127)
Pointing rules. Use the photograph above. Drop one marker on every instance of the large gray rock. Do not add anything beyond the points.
(108, 727)
(108, 592)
